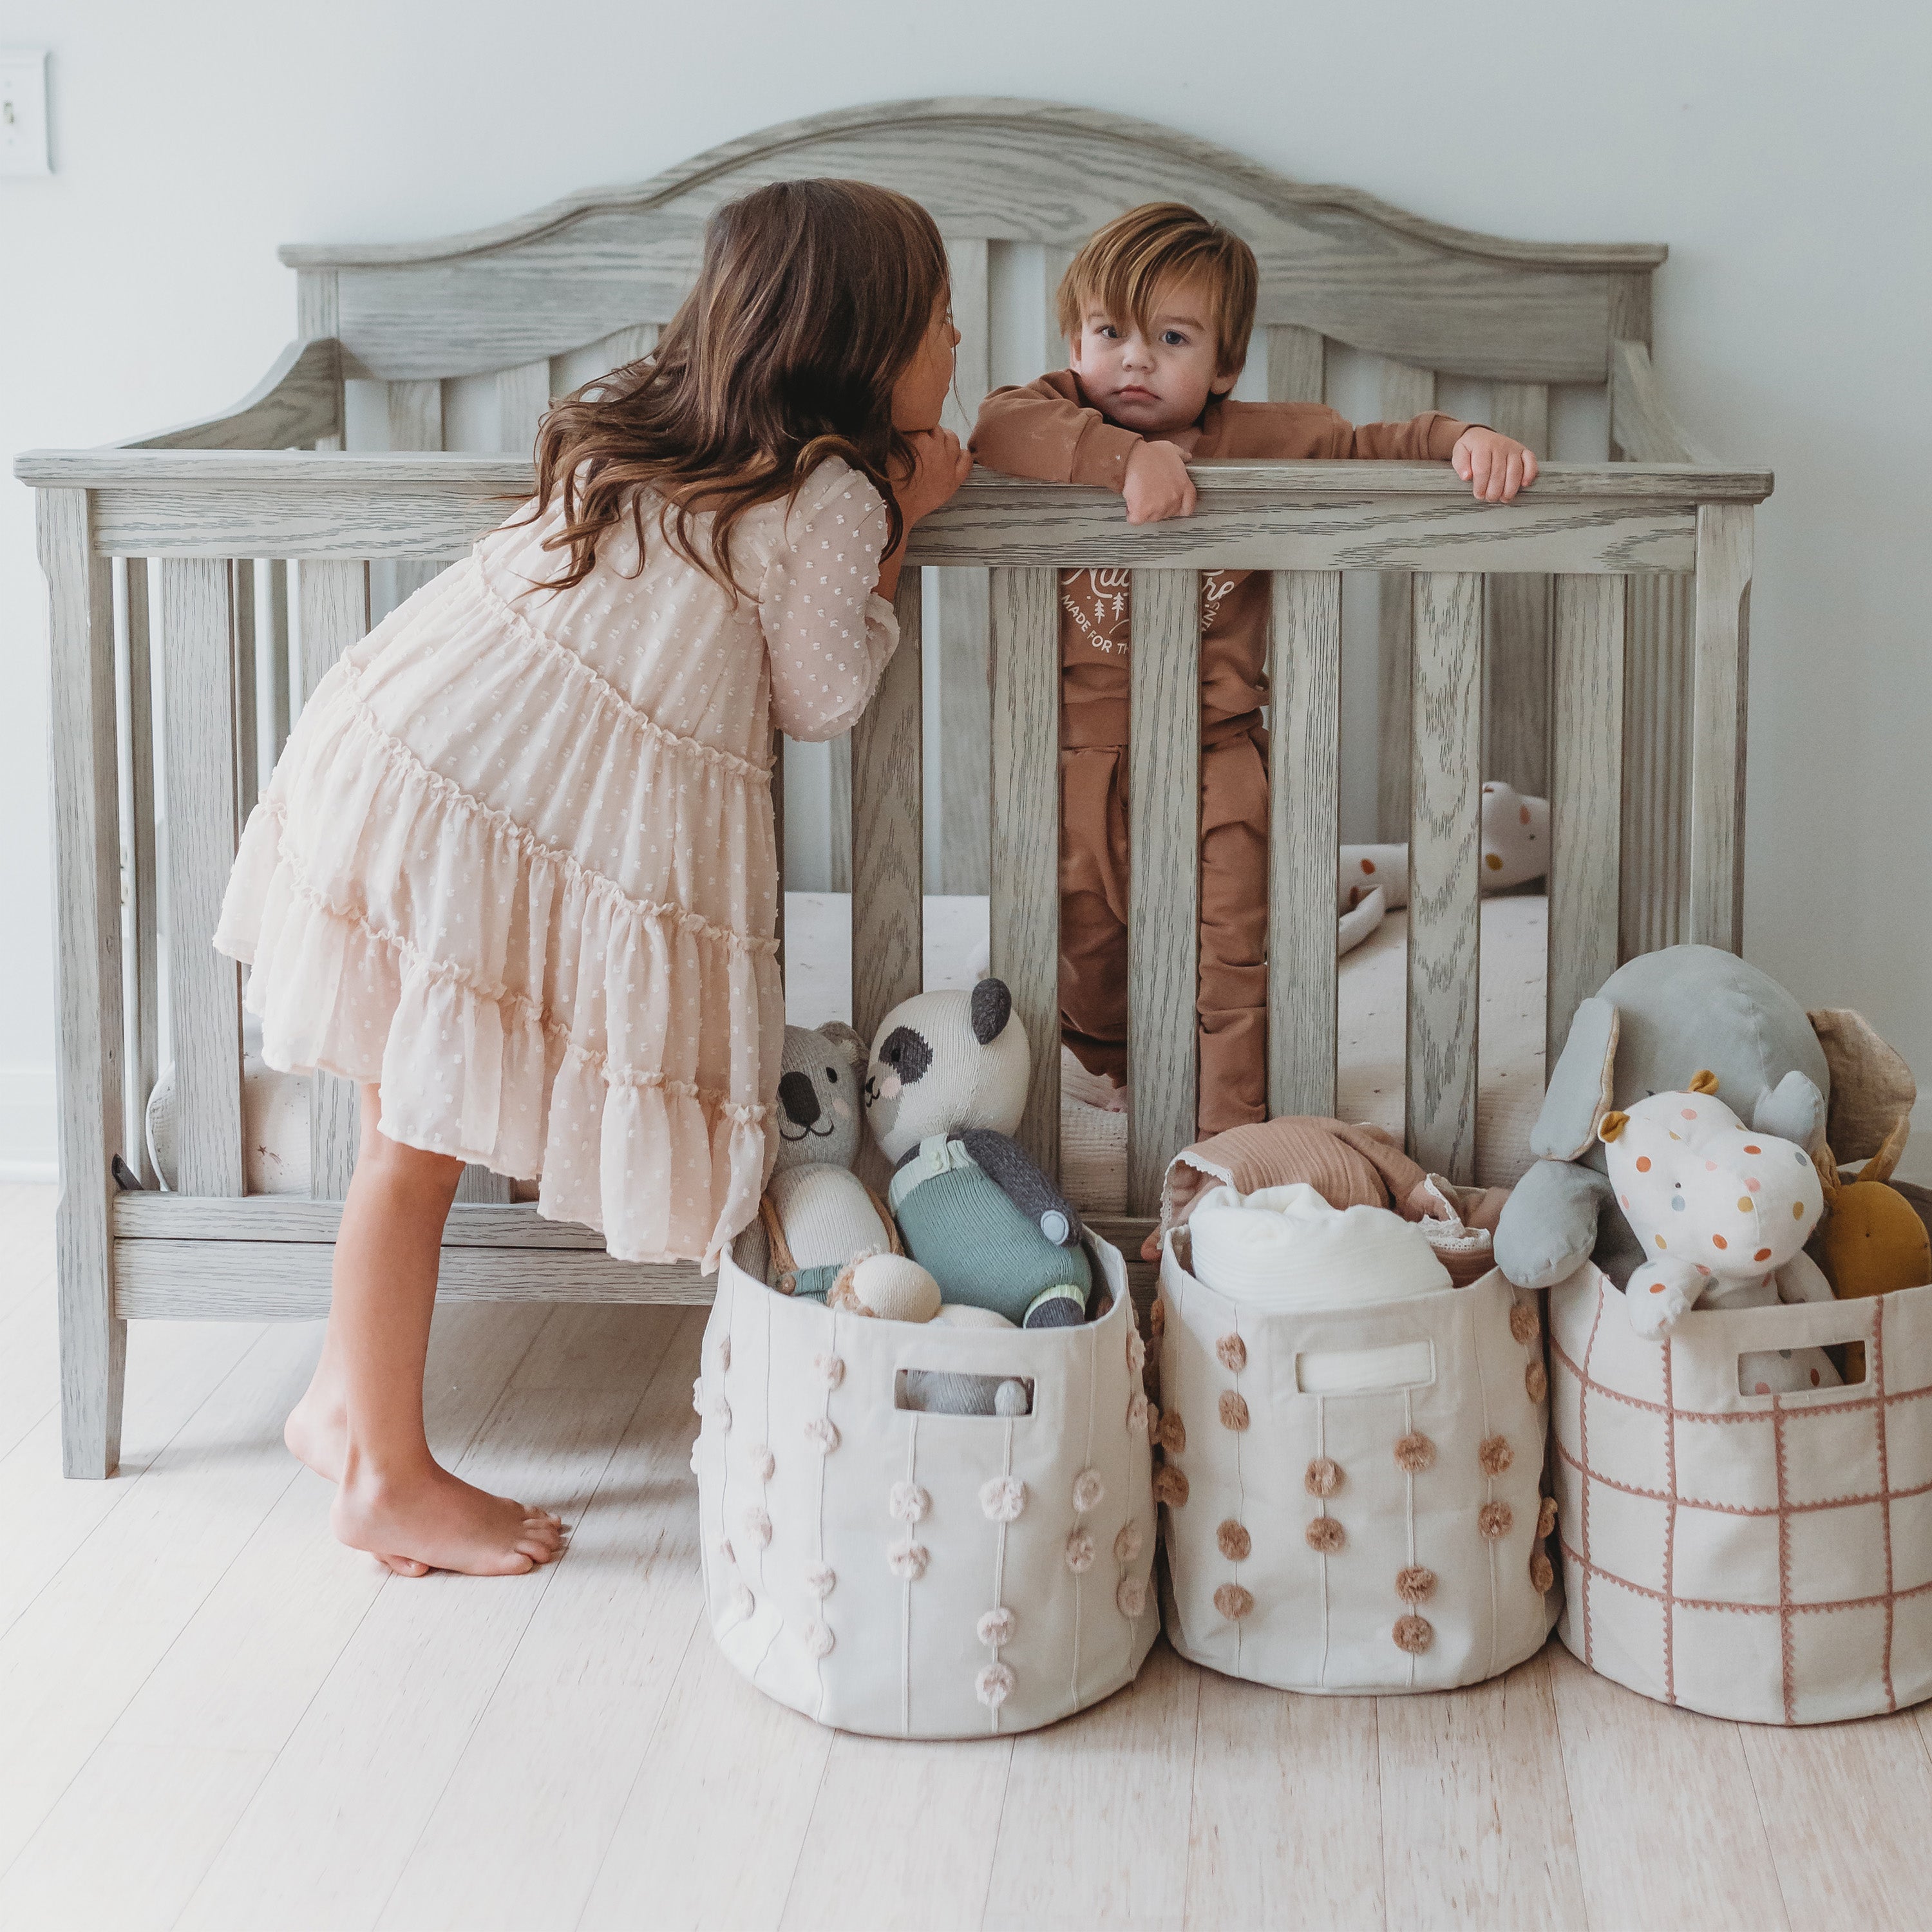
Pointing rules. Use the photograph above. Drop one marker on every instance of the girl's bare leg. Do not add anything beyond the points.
(361, 1421)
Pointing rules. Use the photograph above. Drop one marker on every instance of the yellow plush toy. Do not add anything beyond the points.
(1872, 1240)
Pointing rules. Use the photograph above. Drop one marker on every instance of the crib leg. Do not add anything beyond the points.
(93, 1339)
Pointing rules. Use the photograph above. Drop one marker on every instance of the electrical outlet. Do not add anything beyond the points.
(23, 111)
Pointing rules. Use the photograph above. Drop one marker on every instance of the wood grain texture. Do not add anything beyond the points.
(247, 699)
(1585, 798)
(1024, 914)
(281, 1217)
(89, 1039)
(1719, 686)
(1641, 424)
(1331, 259)
(1164, 858)
(1305, 674)
(204, 988)
(888, 830)
(278, 693)
(523, 395)
(1445, 915)
(1401, 392)
(1659, 617)
(332, 613)
(416, 423)
(839, 813)
(143, 979)
(299, 400)
(1297, 360)
(1517, 620)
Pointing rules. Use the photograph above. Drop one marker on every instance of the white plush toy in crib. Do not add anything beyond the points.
(1724, 1212)
(1286, 1248)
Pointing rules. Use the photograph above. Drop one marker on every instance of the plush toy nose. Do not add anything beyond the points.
(796, 1097)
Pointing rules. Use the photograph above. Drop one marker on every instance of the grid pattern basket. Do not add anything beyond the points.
(1766, 1558)
(1385, 1539)
(909, 1574)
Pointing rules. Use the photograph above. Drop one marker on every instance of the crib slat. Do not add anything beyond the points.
(1517, 608)
(1304, 795)
(523, 394)
(1056, 261)
(1585, 815)
(963, 641)
(278, 693)
(247, 744)
(839, 813)
(1298, 360)
(1025, 884)
(1401, 392)
(415, 422)
(204, 989)
(1444, 917)
(1164, 897)
(888, 832)
(1657, 762)
(1721, 659)
(629, 345)
(141, 880)
(333, 603)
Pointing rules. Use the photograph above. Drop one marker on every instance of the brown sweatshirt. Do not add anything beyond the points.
(1049, 430)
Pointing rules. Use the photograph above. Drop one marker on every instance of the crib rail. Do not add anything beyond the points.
(193, 522)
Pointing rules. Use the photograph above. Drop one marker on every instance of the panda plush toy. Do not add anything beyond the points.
(945, 1088)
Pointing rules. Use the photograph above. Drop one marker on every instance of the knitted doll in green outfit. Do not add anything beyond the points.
(946, 1087)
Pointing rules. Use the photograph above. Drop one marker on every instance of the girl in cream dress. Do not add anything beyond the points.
(515, 873)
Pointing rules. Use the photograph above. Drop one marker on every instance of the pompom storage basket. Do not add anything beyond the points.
(1766, 1557)
(915, 1575)
(1384, 1539)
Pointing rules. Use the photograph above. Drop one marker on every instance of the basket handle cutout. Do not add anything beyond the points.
(1400, 1365)
(948, 1392)
(1847, 1356)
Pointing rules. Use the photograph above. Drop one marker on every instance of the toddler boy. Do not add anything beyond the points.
(1156, 309)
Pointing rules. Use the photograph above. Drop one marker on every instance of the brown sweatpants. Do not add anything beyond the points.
(1232, 1003)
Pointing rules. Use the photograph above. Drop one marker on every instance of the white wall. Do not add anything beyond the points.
(1782, 149)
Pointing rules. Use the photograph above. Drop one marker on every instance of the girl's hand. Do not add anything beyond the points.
(1157, 485)
(939, 465)
(1495, 466)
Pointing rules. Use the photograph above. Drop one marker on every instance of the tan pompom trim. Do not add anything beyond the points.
(1157, 1320)
(1170, 1487)
(1536, 1381)
(1234, 1409)
(1323, 1477)
(1233, 1602)
(1545, 1516)
(1325, 1534)
(1233, 1352)
(1233, 1541)
(1540, 1574)
(1414, 1453)
(1415, 1584)
(1172, 1433)
(1413, 1634)
(1494, 1455)
(1493, 1520)
(1523, 1324)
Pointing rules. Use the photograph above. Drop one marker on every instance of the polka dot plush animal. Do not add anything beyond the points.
(1724, 1211)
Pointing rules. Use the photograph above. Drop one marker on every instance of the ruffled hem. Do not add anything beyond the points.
(666, 1167)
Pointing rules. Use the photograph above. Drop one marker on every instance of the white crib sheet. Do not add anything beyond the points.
(1093, 1144)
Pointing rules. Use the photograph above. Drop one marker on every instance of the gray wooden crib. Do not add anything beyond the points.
(1588, 640)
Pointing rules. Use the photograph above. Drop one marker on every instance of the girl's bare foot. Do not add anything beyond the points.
(435, 1521)
(317, 1433)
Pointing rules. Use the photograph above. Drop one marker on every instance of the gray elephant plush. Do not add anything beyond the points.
(1656, 1021)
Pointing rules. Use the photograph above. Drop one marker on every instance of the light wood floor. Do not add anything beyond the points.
(211, 1714)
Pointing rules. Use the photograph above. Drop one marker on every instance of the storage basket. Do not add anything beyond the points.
(1766, 1557)
(918, 1575)
(1352, 1498)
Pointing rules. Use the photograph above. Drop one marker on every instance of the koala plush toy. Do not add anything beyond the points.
(945, 1089)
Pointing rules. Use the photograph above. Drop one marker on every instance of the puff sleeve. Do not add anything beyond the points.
(828, 634)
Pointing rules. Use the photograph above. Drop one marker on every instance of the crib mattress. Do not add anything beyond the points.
(1093, 1144)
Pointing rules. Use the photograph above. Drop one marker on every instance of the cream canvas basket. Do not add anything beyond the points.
(1385, 1539)
(1767, 1558)
(916, 1575)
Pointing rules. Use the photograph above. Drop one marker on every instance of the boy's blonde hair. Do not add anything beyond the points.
(1123, 266)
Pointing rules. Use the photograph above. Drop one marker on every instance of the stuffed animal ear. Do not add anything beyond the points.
(1580, 1088)
(992, 1007)
(848, 1038)
(1871, 1085)
(1611, 1125)
(1703, 1082)
(1794, 1110)
(1880, 1166)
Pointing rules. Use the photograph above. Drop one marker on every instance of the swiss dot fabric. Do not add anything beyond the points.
(517, 861)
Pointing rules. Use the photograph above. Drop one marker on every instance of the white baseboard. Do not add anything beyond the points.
(29, 1124)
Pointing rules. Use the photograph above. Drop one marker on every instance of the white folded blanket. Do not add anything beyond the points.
(1286, 1248)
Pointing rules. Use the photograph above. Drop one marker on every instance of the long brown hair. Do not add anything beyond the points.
(812, 299)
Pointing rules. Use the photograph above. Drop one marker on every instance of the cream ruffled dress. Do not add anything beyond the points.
(517, 861)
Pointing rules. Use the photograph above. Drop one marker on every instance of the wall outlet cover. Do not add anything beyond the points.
(23, 111)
